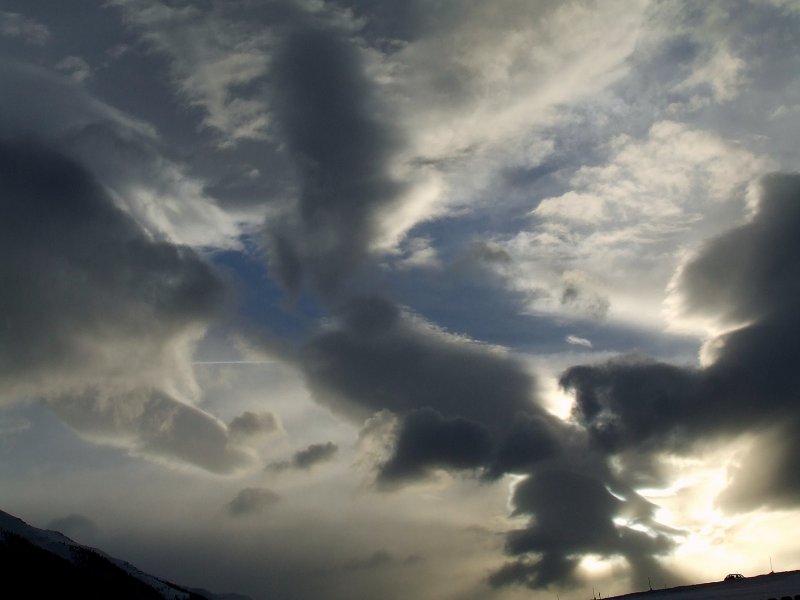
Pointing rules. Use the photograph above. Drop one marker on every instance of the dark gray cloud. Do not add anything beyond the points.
(314, 454)
(462, 406)
(748, 273)
(633, 401)
(427, 440)
(633, 408)
(253, 424)
(530, 439)
(83, 282)
(251, 501)
(308, 457)
(746, 277)
(329, 117)
(574, 512)
(577, 506)
(377, 356)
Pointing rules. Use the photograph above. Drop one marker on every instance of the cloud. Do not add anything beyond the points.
(322, 97)
(31, 31)
(599, 247)
(745, 279)
(308, 457)
(380, 559)
(251, 425)
(87, 291)
(578, 341)
(214, 59)
(464, 407)
(74, 526)
(124, 155)
(418, 253)
(11, 426)
(387, 122)
(375, 132)
(75, 67)
(251, 501)
(428, 441)
(151, 423)
(100, 318)
(575, 512)
(376, 355)
(314, 454)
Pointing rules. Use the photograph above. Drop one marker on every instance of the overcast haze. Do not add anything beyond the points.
(442, 299)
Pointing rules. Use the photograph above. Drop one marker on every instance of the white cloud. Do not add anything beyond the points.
(489, 75)
(661, 179)
(418, 253)
(474, 94)
(617, 233)
(469, 94)
(721, 71)
(578, 341)
(212, 58)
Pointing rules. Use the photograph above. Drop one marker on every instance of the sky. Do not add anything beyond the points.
(442, 299)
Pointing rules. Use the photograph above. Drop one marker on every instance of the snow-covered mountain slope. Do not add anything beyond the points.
(50, 562)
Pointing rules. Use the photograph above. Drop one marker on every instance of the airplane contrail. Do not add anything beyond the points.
(232, 362)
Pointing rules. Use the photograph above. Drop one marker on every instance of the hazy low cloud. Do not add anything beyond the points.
(150, 422)
(75, 526)
(381, 559)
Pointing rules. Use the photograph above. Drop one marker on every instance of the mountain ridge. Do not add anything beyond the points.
(49, 564)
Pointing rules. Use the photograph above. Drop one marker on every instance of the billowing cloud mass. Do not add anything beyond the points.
(746, 280)
(510, 286)
(378, 356)
(87, 290)
(96, 312)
